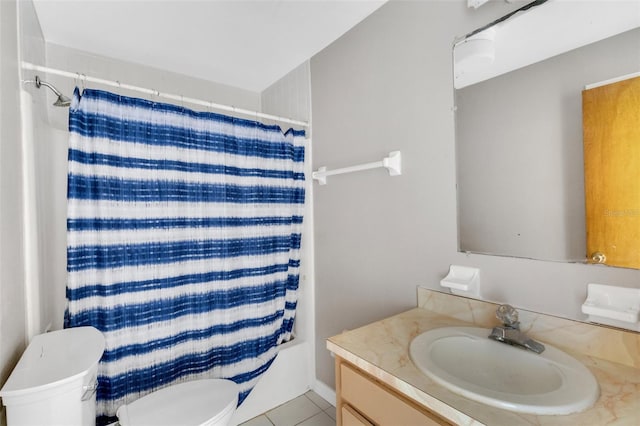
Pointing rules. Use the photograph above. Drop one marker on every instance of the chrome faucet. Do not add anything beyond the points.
(510, 332)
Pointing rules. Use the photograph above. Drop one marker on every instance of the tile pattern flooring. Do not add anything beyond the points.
(306, 410)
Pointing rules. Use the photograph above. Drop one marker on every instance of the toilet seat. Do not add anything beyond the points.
(196, 403)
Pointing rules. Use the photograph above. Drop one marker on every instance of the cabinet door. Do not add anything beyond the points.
(351, 417)
(611, 132)
(380, 405)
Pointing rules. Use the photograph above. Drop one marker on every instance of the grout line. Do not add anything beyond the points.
(307, 418)
(302, 421)
(316, 414)
(305, 395)
(256, 417)
(321, 409)
(313, 415)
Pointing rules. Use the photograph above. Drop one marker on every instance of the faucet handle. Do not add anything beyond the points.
(508, 315)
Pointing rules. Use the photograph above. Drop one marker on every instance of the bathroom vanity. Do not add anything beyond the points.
(377, 383)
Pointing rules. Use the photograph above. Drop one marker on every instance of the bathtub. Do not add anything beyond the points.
(288, 377)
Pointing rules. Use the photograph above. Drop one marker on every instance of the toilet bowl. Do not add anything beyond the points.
(55, 382)
(207, 402)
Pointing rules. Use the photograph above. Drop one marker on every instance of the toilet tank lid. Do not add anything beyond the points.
(191, 403)
(55, 358)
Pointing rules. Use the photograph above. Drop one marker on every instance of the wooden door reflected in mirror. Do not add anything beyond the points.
(611, 132)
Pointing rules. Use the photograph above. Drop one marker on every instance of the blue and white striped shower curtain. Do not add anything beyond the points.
(183, 237)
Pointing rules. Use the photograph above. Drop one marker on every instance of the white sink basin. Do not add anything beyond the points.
(467, 362)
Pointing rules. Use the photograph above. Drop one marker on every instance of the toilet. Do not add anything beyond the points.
(55, 382)
(207, 402)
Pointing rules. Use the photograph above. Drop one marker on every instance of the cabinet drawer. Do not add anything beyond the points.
(351, 417)
(379, 404)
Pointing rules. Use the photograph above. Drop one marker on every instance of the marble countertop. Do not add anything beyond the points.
(382, 350)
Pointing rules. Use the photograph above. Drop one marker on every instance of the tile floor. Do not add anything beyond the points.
(306, 410)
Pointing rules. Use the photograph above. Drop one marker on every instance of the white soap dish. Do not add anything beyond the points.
(615, 306)
(462, 281)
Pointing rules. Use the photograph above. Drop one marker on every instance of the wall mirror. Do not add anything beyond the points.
(519, 125)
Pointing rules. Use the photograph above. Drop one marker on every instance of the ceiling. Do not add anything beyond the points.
(541, 32)
(241, 43)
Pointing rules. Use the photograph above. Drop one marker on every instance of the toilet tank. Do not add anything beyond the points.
(55, 380)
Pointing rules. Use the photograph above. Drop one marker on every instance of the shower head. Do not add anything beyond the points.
(62, 100)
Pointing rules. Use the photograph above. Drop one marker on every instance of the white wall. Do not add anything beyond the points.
(37, 158)
(291, 95)
(387, 85)
(12, 308)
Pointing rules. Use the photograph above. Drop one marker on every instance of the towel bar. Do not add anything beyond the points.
(393, 163)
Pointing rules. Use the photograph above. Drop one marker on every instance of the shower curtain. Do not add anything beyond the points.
(183, 237)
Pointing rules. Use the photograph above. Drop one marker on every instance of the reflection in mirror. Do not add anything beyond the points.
(519, 134)
(611, 133)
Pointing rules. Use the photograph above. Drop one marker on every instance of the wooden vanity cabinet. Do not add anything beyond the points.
(363, 400)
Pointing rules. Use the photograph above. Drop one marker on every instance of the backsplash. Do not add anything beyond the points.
(608, 343)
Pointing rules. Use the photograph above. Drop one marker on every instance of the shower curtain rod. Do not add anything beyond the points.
(153, 92)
